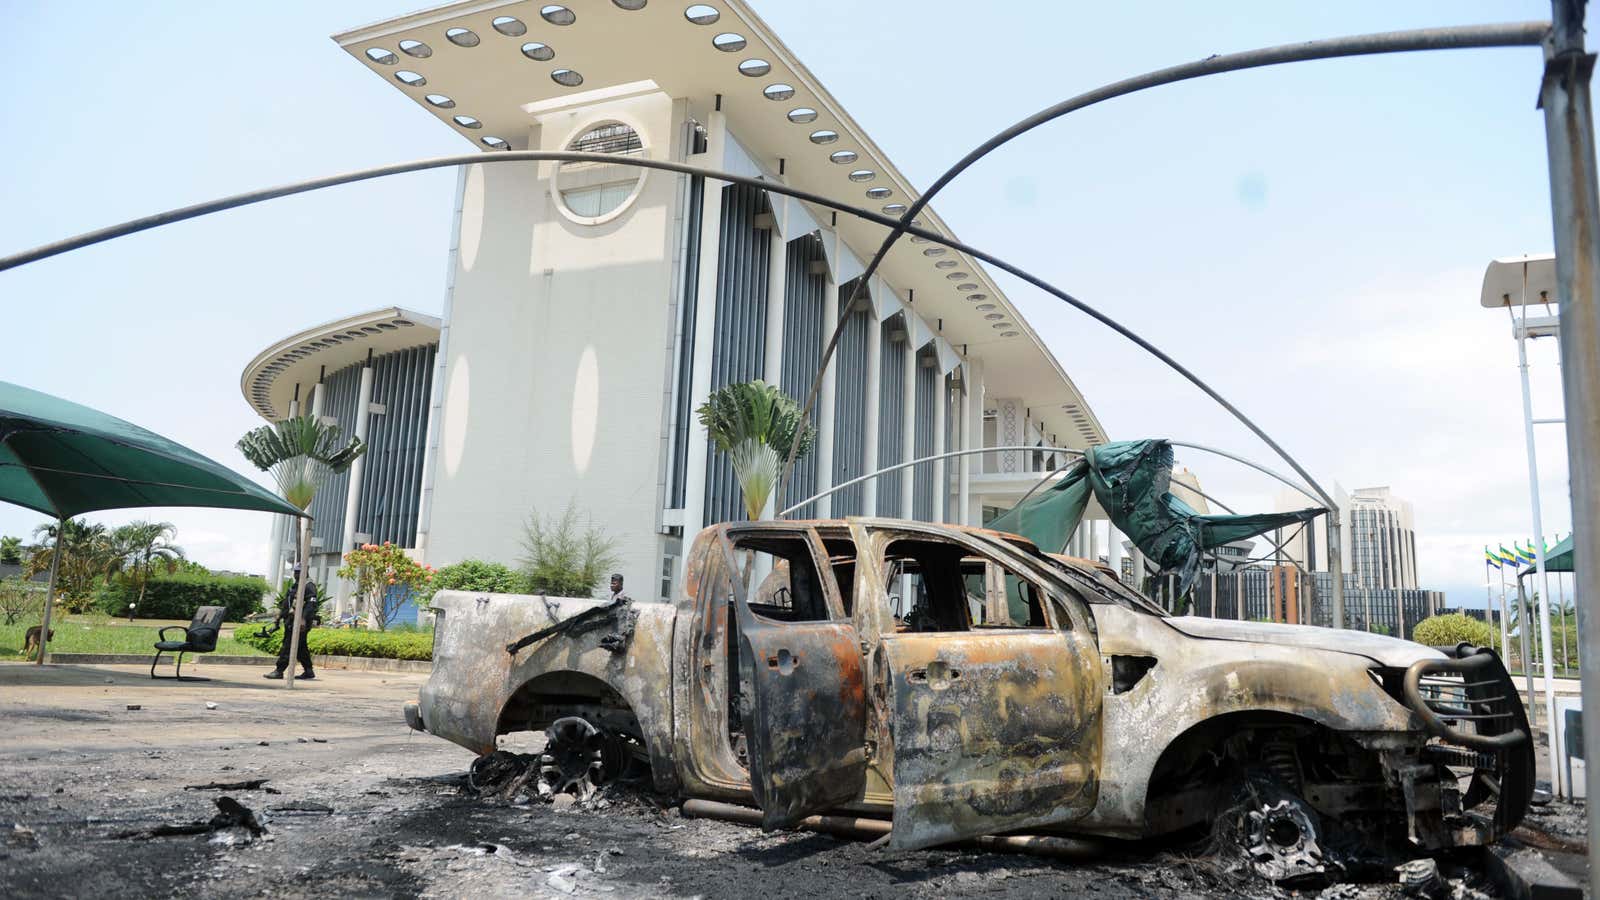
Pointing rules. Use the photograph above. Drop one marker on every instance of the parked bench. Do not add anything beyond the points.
(199, 637)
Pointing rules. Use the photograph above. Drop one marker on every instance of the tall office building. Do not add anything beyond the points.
(1383, 539)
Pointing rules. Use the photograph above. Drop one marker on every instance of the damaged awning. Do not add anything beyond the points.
(1131, 481)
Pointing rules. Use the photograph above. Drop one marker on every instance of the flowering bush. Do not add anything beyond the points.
(385, 578)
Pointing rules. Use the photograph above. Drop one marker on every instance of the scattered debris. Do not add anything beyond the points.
(1421, 878)
(564, 879)
(230, 814)
(254, 784)
(306, 806)
(22, 837)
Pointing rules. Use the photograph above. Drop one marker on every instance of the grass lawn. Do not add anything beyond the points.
(102, 634)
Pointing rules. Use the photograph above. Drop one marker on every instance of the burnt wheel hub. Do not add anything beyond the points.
(1281, 838)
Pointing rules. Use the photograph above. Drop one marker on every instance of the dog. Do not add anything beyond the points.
(30, 641)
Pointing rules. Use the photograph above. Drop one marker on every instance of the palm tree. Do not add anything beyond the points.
(300, 453)
(86, 554)
(755, 423)
(144, 545)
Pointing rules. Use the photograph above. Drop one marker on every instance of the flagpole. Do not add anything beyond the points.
(1505, 620)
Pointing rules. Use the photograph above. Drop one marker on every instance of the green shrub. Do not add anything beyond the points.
(473, 575)
(178, 596)
(1453, 628)
(347, 642)
(563, 558)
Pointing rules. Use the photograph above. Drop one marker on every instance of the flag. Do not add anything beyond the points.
(1525, 554)
(1509, 558)
(1489, 559)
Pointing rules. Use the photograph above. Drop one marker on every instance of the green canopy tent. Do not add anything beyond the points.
(1559, 557)
(64, 459)
(1131, 481)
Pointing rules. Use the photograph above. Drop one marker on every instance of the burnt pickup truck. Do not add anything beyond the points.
(962, 683)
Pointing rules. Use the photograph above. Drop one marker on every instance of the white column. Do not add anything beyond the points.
(694, 482)
(1114, 548)
(908, 427)
(869, 502)
(941, 481)
(825, 406)
(352, 495)
(772, 358)
(777, 275)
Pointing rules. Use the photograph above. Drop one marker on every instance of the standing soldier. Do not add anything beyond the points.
(285, 620)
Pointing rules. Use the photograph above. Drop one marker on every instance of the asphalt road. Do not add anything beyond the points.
(381, 812)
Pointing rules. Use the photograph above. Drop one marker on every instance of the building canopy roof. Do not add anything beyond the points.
(269, 381)
(487, 69)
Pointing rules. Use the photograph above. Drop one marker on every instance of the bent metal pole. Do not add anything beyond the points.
(1575, 214)
(1469, 36)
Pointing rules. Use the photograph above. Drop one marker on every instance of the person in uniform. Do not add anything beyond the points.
(285, 620)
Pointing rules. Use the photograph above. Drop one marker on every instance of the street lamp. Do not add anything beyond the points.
(1516, 284)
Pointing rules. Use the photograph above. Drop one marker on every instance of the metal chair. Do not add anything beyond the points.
(199, 637)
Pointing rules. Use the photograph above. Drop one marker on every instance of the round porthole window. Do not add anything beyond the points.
(591, 192)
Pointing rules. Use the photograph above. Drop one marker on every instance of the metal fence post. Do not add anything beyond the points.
(1575, 211)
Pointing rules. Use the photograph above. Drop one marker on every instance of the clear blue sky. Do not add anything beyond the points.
(1309, 238)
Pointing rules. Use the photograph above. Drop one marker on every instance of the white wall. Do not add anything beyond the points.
(554, 377)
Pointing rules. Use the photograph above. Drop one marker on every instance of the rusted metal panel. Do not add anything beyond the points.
(991, 733)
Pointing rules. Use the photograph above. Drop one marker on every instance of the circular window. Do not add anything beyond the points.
(630, 5)
(778, 91)
(824, 136)
(566, 77)
(918, 239)
(462, 37)
(494, 143)
(879, 193)
(728, 42)
(993, 317)
(416, 49)
(894, 209)
(969, 286)
(382, 56)
(755, 68)
(510, 26)
(590, 192)
(1009, 333)
(802, 115)
(537, 51)
(842, 157)
(863, 175)
(441, 101)
(410, 78)
(953, 276)
(977, 298)
(467, 122)
(985, 307)
(935, 251)
(1002, 324)
(558, 15)
(701, 14)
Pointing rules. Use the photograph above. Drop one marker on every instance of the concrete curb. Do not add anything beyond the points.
(360, 663)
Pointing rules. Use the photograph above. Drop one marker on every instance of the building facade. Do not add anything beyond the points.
(591, 307)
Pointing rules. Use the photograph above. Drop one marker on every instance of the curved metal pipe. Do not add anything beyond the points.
(1257, 466)
(145, 223)
(1458, 37)
(970, 451)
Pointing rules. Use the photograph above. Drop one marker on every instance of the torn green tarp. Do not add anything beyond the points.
(1131, 479)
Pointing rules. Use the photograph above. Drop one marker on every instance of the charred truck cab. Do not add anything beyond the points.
(965, 684)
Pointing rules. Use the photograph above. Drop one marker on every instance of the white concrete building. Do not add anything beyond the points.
(589, 309)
